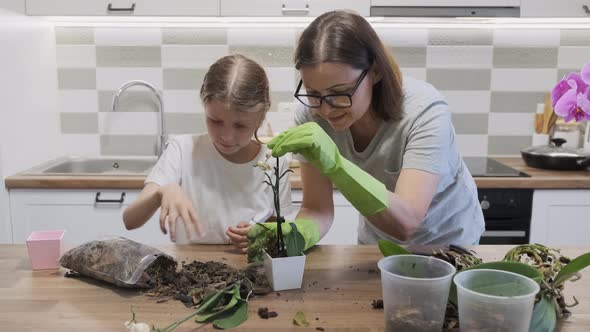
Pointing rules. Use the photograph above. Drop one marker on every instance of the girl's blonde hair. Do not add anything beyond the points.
(345, 37)
(239, 82)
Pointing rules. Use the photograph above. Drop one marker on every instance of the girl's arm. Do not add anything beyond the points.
(318, 204)
(143, 208)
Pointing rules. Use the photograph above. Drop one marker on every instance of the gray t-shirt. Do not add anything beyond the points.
(423, 139)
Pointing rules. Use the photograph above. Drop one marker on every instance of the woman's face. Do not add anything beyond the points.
(331, 78)
(230, 130)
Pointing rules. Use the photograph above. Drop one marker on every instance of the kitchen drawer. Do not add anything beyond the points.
(290, 7)
(123, 7)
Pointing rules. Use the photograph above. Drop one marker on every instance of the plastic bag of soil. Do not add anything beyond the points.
(118, 261)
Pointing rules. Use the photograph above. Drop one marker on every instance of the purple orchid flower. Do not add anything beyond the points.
(571, 96)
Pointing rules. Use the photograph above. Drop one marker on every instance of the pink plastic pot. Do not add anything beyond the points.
(44, 249)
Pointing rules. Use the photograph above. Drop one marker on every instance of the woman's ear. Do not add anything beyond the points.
(375, 74)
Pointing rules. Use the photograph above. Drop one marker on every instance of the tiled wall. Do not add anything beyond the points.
(493, 79)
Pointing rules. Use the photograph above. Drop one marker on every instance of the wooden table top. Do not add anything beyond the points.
(339, 286)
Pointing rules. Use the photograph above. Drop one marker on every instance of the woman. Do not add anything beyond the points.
(387, 144)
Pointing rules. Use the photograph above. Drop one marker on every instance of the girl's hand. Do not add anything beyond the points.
(238, 236)
(174, 205)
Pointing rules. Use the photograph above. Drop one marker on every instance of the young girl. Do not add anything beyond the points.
(206, 183)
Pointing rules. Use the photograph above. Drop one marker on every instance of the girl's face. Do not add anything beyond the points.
(231, 131)
(332, 78)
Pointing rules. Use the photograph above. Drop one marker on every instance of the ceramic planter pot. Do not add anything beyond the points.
(285, 272)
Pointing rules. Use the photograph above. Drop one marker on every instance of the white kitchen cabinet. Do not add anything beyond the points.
(77, 212)
(123, 7)
(345, 224)
(447, 3)
(561, 217)
(290, 7)
(555, 8)
(17, 6)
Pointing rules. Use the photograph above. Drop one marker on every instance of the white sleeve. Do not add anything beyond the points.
(168, 168)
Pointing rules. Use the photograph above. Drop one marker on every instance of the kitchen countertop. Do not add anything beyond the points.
(47, 301)
(540, 179)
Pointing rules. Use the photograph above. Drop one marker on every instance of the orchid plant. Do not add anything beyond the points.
(570, 98)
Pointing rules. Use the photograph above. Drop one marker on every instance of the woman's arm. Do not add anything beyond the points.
(408, 204)
(143, 208)
(318, 204)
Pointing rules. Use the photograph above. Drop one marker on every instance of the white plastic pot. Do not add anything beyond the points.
(285, 272)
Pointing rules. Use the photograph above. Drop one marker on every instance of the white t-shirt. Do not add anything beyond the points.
(223, 193)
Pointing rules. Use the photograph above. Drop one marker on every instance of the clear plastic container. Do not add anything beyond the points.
(415, 292)
(495, 300)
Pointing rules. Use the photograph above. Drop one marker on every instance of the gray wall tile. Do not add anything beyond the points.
(575, 37)
(79, 123)
(185, 123)
(76, 78)
(72, 35)
(188, 36)
(470, 123)
(271, 56)
(507, 145)
(128, 145)
(277, 97)
(459, 79)
(183, 78)
(123, 56)
(562, 73)
(525, 57)
(515, 102)
(129, 101)
(409, 56)
(460, 37)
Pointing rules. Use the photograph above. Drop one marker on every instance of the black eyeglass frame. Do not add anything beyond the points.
(298, 96)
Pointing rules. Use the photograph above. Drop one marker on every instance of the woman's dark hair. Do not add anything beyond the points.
(345, 37)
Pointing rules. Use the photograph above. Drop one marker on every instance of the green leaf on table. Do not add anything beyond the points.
(389, 248)
(575, 266)
(212, 301)
(294, 242)
(515, 267)
(544, 317)
(300, 320)
(234, 298)
(235, 317)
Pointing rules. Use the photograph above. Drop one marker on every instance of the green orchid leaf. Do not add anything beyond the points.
(576, 265)
(389, 248)
(235, 297)
(515, 267)
(212, 301)
(294, 241)
(300, 320)
(544, 316)
(234, 317)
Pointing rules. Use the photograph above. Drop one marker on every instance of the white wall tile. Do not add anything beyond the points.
(468, 101)
(112, 78)
(472, 145)
(182, 101)
(77, 101)
(459, 56)
(76, 56)
(128, 36)
(128, 123)
(192, 56)
(279, 121)
(523, 79)
(403, 37)
(418, 73)
(573, 56)
(261, 37)
(526, 37)
(511, 124)
(81, 145)
(281, 78)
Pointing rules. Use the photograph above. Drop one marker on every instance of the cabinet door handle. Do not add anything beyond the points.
(110, 8)
(295, 11)
(97, 199)
(586, 9)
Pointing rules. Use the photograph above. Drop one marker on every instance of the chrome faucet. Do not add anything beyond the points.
(162, 141)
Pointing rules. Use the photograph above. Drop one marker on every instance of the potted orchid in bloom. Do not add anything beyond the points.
(570, 99)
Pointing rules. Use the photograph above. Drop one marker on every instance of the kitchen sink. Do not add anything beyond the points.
(95, 166)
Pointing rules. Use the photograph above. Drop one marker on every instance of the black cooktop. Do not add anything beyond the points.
(487, 167)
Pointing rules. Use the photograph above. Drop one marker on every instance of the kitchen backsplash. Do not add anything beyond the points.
(493, 79)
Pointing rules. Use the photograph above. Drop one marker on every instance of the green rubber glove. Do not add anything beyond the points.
(259, 234)
(367, 194)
